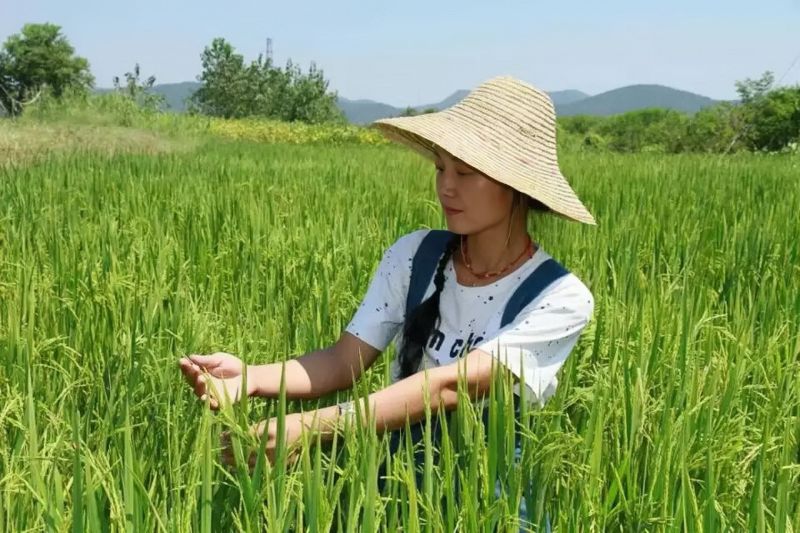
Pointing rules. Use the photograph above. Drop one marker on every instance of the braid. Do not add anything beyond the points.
(422, 320)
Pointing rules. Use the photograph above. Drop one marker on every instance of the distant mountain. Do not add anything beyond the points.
(567, 97)
(176, 94)
(366, 111)
(635, 97)
(569, 102)
(451, 100)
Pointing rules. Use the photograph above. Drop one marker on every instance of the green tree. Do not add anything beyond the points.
(233, 89)
(36, 60)
(291, 95)
(224, 82)
(580, 124)
(753, 90)
(714, 129)
(645, 129)
(775, 119)
(768, 117)
(139, 91)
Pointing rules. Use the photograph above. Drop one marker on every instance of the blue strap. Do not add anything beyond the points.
(422, 269)
(424, 265)
(538, 280)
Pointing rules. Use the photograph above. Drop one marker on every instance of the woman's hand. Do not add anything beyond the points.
(293, 429)
(216, 377)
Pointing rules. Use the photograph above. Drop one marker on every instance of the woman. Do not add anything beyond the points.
(489, 294)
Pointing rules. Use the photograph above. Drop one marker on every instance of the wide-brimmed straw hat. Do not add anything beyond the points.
(506, 129)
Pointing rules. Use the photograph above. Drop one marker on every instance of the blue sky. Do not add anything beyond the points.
(413, 52)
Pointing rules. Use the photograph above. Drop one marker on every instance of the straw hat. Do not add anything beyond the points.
(506, 129)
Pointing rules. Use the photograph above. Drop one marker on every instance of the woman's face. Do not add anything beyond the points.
(471, 201)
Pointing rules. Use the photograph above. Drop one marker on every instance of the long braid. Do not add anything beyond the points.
(422, 320)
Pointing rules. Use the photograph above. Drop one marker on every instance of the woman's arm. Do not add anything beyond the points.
(219, 377)
(406, 397)
(316, 373)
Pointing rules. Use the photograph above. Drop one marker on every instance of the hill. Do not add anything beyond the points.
(569, 102)
(635, 97)
(567, 97)
(176, 94)
(366, 111)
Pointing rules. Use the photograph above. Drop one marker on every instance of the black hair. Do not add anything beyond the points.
(422, 320)
(536, 205)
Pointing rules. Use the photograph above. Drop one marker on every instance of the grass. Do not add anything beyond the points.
(112, 123)
(23, 143)
(678, 410)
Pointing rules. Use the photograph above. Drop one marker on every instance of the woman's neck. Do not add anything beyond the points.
(488, 250)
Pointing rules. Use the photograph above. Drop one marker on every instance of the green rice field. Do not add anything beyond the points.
(679, 409)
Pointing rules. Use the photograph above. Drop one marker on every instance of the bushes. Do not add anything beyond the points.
(273, 131)
(774, 120)
(768, 123)
(120, 109)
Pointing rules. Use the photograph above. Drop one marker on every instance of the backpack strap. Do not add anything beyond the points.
(538, 280)
(424, 265)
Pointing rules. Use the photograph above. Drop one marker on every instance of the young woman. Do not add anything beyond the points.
(490, 293)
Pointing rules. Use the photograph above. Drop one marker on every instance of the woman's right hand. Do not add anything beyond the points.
(216, 377)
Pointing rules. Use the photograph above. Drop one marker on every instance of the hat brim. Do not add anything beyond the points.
(425, 133)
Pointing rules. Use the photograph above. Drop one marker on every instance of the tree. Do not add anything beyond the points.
(775, 119)
(308, 99)
(645, 129)
(233, 89)
(753, 90)
(224, 82)
(139, 91)
(769, 116)
(580, 124)
(714, 129)
(37, 59)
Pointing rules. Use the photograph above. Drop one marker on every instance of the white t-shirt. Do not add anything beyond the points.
(538, 340)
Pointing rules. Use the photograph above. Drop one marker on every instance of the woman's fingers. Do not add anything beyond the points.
(188, 369)
(208, 362)
(193, 375)
(200, 388)
(194, 369)
(228, 460)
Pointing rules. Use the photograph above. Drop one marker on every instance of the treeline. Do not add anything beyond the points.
(38, 67)
(766, 118)
(39, 63)
(233, 89)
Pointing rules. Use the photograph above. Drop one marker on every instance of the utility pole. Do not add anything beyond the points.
(268, 56)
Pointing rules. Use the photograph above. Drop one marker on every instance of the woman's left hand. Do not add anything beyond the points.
(293, 430)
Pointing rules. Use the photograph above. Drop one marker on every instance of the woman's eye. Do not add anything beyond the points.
(458, 172)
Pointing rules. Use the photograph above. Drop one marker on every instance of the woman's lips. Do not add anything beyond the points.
(449, 211)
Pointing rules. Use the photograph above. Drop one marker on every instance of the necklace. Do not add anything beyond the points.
(487, 275)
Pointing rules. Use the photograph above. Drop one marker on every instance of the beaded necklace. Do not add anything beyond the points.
(487, 275)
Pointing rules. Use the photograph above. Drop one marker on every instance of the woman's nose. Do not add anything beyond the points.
(447, 182)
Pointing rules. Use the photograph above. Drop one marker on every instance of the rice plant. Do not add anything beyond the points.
(679, 410)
